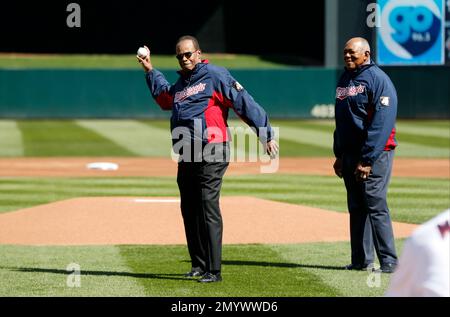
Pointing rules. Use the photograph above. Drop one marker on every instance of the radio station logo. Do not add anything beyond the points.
(411, 31)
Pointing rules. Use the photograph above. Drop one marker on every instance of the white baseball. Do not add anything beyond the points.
(143, 52)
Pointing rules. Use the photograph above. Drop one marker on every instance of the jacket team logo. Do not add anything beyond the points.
(384, 101)
(237, 86)
(189, 91)
(444, 228)
(344, 92)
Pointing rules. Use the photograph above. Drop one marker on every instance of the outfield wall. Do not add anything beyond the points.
(424, 92)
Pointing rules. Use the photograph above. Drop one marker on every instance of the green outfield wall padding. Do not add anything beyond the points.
(424, 92)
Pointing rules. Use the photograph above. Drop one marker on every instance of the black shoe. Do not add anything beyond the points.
(194, 273)
(359, 267)
(388, 267)
(210, 278)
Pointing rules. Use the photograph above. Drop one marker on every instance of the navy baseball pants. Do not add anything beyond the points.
(370, 221)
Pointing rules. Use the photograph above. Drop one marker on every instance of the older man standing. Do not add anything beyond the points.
(199, 101)
(364, 143)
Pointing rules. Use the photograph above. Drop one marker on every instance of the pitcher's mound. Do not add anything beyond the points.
(106, 220)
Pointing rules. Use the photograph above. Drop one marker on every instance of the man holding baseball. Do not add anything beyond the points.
(364, 143)
(199, 101)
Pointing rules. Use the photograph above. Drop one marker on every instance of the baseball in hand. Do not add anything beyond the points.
(143, 52)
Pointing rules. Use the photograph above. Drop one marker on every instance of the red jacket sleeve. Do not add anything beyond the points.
(160, 89)
(245, 106)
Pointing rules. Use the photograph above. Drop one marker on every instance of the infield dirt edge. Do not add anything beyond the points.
(157, 220)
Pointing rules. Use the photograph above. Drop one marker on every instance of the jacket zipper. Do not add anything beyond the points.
(188, 84)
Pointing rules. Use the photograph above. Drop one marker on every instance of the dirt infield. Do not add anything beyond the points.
(104, 221)
(76, 167)
(157, 220)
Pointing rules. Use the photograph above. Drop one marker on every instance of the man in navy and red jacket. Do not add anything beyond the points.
(364, 143)
(199, 101)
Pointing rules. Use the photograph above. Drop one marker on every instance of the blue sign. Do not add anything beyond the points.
(411, 32)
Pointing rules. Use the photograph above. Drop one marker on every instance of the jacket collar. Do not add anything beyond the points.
(196, 69)
(360, 69)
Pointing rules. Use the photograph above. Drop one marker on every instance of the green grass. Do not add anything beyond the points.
(10, 139)
(132, 135)
(439, 142)
(298, 138)
(411, 200)
(41, 271)
(294, 270)
(18, 193)
(242, 264)
(429, 125)
(65, 138)
(71, 61)
(324, 260)
(326, 126)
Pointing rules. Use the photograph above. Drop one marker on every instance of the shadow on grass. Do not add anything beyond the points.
(282, 265)
(163, 276)
(166, 276)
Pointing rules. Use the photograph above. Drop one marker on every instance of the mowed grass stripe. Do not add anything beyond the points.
(439, 129)
(406, 149)
(247, 270)
(326, 126)
(318, 141)
(235, 153)
(299, 134)
(322, 136)
(326, 262)
(42, 271)
(431, 123)
(307, 136)
(65, 138)
(152, 138)
(136, 137)
(18, 193)
(297, 149)
(432, 133)
(10, 139)
(406, 200)
(415, 200)
(240, 149)
(159, 124)
(412, 200)
(433, 141)
(416, 139)
(297, 270)
(297, 141)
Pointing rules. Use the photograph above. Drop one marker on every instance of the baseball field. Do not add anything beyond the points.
(66, 230)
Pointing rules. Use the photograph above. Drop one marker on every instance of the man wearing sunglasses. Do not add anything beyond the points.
(199, 101)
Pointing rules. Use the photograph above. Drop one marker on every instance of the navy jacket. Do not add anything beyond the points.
(203, 97)
(365, 114)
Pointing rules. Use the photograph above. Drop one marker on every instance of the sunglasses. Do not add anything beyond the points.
(187, 55)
